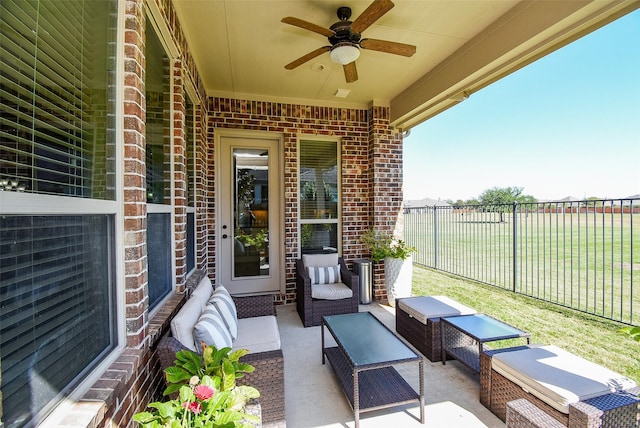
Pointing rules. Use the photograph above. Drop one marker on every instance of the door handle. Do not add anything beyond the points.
(225, 236)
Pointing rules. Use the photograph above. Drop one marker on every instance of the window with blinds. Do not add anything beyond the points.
(319, 196)
(56, 318)
(57, 137)
(56, 99)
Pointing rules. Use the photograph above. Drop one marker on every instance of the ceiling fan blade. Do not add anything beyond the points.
(388, 47)
(311, 55)
(308, 26)
(371, 15)
(350, 72)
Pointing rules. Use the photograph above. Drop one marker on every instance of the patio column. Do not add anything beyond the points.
(179, 175)
(135, 197)
(385, 164)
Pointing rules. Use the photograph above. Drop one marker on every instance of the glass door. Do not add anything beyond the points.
(249, 215)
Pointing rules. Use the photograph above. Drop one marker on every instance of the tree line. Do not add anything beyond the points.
(497, 196)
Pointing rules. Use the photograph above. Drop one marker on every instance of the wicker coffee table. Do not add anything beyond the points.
(363, 363)
(479, 327)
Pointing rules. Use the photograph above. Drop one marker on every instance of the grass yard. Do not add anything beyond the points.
(590, 337)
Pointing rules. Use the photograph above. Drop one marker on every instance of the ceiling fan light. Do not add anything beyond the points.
(344, 53)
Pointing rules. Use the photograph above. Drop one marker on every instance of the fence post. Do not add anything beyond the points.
(515, 246)
(435, 237)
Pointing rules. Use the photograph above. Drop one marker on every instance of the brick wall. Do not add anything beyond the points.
(179, 176)
(135, 207)
(371, 153)
(135, 378)
(385, 202)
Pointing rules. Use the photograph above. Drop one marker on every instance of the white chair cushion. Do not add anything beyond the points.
(202, 292)
(211, 330)
(223, 302)
(320, 259)
(333, 291)
(425, 307)
(558, 377)
(258, 334)
(182, 324)
(324, 274)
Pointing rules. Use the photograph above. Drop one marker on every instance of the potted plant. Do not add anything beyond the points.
(207, 394)
(398, 263)
(257, 240)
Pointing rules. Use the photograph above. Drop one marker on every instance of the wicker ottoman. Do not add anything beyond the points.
(566, 392)
(418, 321)
(523, 414)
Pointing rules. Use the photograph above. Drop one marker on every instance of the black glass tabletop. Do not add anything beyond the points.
(485, 328)
(366, 341)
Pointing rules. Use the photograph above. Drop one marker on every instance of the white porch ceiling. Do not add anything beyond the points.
(240, 48)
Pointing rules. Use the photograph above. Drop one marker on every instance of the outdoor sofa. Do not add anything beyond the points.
(257, 332)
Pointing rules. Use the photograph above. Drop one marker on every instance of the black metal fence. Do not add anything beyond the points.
(584, 255)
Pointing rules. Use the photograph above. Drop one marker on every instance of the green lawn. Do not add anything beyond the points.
(593, 338)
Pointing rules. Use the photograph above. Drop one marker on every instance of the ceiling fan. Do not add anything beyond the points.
(345, 38)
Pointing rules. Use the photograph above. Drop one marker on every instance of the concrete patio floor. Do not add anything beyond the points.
(314, 398)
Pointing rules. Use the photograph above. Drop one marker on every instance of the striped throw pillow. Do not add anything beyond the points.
(224, 303)
(211, 330)
(324, 274)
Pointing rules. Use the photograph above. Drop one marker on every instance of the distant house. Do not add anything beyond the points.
(631, 201)
(426, 203)
(571, 199)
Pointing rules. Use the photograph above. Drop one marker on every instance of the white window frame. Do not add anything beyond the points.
(155, 18)
(22, 203)
(338, 219)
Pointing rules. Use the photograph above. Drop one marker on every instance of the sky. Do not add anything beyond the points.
(566, 125)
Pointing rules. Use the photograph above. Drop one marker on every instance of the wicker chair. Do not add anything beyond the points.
(312, 310)
(268, 377)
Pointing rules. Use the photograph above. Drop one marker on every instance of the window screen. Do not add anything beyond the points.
(56, 289)
(159, 256)
(191, 241)
(158, 123)
(190, 156)
(158, 161)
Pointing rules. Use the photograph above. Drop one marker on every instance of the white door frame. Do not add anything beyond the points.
(223, 251)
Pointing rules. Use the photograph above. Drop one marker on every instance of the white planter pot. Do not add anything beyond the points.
(398, 276)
